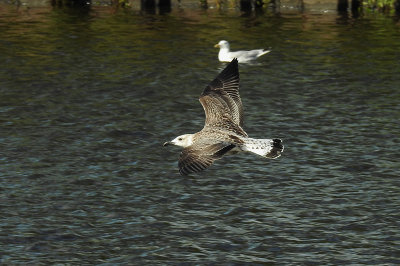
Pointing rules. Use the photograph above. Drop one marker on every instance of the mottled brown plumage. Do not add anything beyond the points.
(222, 132)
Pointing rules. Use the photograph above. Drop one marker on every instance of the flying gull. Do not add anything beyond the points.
(222, 132)
(225, 55)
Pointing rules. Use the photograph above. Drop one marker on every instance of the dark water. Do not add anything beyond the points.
(86, 101)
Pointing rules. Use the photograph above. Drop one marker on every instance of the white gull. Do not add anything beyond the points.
(225, 55)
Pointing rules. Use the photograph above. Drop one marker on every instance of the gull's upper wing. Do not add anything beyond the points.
(221, 100)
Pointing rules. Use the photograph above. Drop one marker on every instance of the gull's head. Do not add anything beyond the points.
(182, 140)
(222, 44)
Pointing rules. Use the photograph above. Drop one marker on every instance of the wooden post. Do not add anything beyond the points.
(397, 7)
(258, 3)
(148, 6)
(245, 5)
(355, 7)
(342, 5)
(164, 6)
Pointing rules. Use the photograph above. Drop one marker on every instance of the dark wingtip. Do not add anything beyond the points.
(234, 64)
(231, 70)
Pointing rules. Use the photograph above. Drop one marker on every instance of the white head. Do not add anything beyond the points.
(183, 140)
(222, 44)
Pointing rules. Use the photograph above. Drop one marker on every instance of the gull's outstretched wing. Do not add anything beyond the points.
(198, 157)
(221, 100)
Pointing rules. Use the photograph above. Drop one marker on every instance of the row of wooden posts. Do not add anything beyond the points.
(245, 5)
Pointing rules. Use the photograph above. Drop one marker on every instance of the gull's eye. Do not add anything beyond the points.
(180, 139)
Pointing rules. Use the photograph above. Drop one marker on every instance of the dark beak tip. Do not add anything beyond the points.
(166, 143)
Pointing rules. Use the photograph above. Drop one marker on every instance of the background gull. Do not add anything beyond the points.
(225, 55)
(222, 132)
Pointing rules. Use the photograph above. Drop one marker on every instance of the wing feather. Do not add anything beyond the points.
(221, 99)
(197, 157)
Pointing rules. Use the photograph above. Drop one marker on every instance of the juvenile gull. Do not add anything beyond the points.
(225, 55)
(222, 132)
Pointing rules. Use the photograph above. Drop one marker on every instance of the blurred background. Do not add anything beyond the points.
(89, 92)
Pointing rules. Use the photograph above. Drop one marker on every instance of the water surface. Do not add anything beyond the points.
(87, 99)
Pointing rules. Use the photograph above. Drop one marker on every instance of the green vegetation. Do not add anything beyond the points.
(385, 6)
(122, 3)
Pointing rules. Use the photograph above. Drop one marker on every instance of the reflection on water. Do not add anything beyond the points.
(87, 101)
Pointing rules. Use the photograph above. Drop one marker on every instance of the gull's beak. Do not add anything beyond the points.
(216, 46)
(167, 143)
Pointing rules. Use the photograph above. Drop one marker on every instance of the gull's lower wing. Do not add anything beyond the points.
(196, 158)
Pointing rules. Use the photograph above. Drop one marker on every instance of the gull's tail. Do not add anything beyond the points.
(268, 148)
(263, 52)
